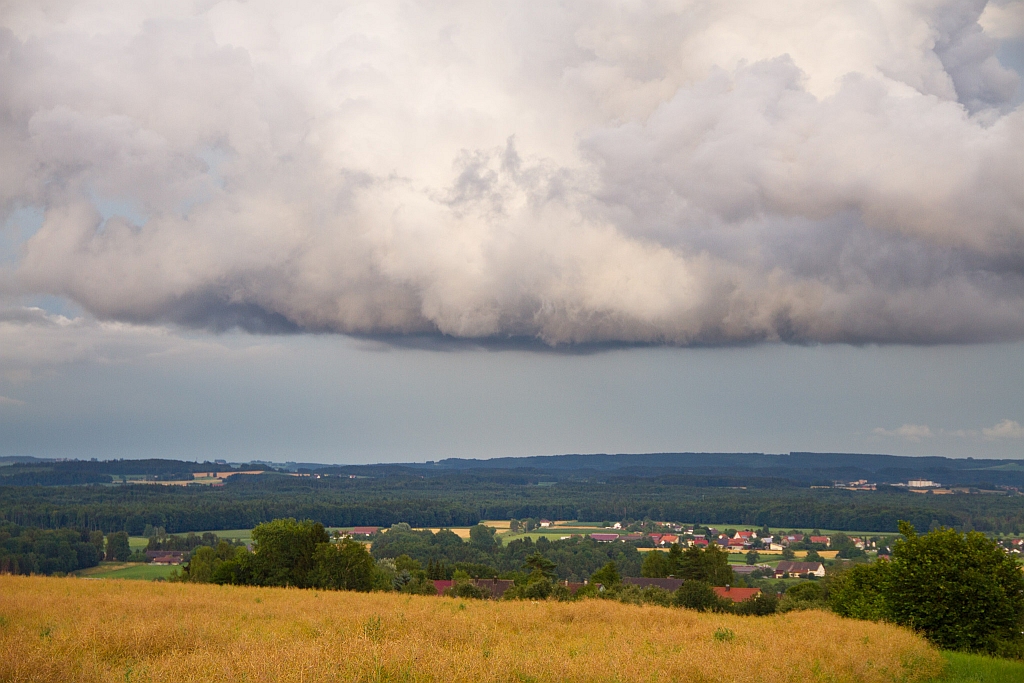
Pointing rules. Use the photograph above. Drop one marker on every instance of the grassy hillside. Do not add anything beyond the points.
(76, 629)
(968, 668)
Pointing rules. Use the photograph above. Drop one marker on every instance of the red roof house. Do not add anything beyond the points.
(735, 594)
(364, 531)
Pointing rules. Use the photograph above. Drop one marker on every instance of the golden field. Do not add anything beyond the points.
(105, 630)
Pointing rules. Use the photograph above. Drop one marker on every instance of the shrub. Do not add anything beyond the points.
(759, 605)
(700, 596)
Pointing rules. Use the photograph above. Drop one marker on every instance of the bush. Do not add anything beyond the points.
(804, 595)
(857, 592)
(700, 596)
(759, 605)
(465, 589)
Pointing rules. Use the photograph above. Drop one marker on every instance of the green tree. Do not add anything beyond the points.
(655, 566)
(343, 566)
(675, 559)
(205, 561)
(813, 556)
(787, 553)
(607, 576)
(539, 563)
(96, 538)
(960, 590)
(710, 565)
(752, 557)
(284, 549)
(118, 548)
(404, 563)
(482, 536)
(857, 592)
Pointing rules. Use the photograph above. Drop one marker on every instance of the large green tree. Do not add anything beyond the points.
(343, 566)
(656, 565)
(608, 576)
(710, 565)
(118, 548)
(961, 590)
(284, 552)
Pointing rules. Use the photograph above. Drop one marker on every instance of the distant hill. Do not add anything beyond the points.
(716, 469)
(797, 466)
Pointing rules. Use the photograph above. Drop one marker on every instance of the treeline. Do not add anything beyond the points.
(48, 551)
(288, 553)
(43, 472)
(575, 558)
(458, 499)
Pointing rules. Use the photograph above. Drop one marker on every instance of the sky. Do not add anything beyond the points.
(393, 231)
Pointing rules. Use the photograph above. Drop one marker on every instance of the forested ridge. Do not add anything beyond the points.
(461, 498)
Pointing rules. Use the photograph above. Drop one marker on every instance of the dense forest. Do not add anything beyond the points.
(453, 497)
(48, 551)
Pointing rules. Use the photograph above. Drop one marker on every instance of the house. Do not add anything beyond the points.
(656, 538)
(748, 569)
(774, 546)
(669, 539)
(545, 523)
(824, 540)
(745, 535)
(735, 594)
(635, 536)
(794, 538)
(165, 556)
(701, 542)
(785, 568)
(363, 531)
(671, 585)
(617, 525)
(497, 587)
(605, 538)
(737, 544)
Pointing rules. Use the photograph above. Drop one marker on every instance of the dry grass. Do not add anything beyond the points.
(82, 630)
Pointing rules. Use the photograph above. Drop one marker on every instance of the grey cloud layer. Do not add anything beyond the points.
(581, 172)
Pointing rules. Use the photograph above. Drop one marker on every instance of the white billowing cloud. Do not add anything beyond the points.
(1003, 19)
(1007, 429)
(580, 172)
(908, 432)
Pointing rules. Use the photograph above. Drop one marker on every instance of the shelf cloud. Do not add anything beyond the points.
(680, 173)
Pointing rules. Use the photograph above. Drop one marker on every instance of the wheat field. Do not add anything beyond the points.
(69, 629)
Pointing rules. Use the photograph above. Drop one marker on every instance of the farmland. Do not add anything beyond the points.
(127, 570)
(69, 629)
